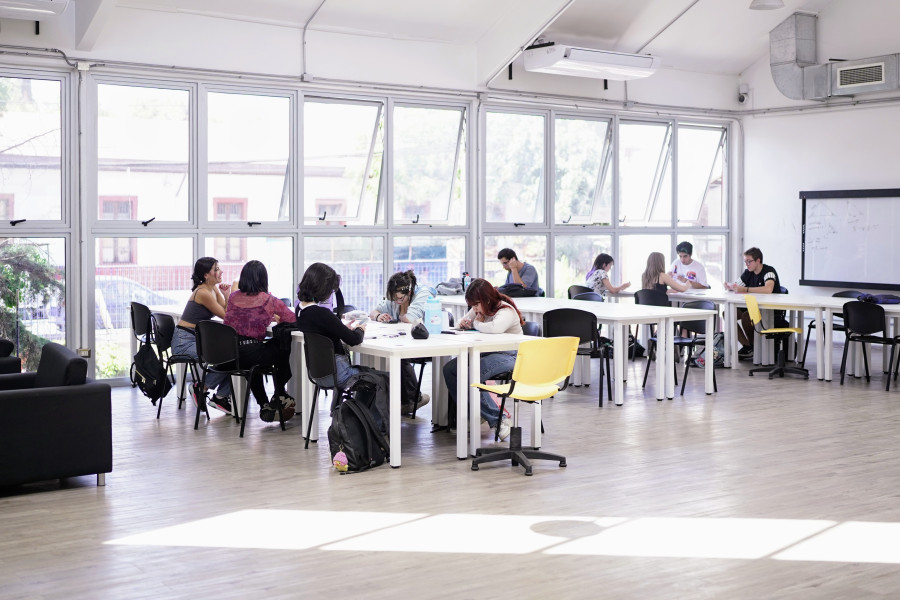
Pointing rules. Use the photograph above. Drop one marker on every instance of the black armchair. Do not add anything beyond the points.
(9, 363)
(55, 422)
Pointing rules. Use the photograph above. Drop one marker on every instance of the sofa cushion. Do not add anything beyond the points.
(59, 366)
(6, 347)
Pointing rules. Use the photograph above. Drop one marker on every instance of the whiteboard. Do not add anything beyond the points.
(851, 238)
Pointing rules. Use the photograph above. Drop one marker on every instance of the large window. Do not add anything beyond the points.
(30, 149)
(645, 174)
(583, 183)
(143, 144)
(429, 165)
(633, 253)
(514, 168)
(343, 148)
(32, 295)
(248, 150)
(158, 275)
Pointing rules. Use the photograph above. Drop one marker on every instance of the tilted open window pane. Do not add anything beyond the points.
(583, 185)
(433, 259)
(514, 168)
(358, 260)
(575, 255)
(701, 176)
(343, 147)
(645, 174)
(248, 150)
(153, 271)
(143, 144)
(429, 166)
(32, 295)
(30, 149)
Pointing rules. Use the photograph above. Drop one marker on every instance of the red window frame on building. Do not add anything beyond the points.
(228, 249)
(124, 250)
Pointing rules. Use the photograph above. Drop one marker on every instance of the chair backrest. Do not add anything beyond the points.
(571, 322)
(545, 361)
(6, 348)
(320, 366)
(344, 308)
(589, 296)
(217, 344)
(574, 290)
(651, 298)
(696, 327)
(140, 319)
(864, 318)
(531, 328)
(782, 290)
(753, 311)
(163, 330)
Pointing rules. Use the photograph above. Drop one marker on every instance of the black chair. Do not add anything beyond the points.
(217, 347)
(583, 325)
(649, 297)
(163, 331)
(421, 362)
(696, 329)
(862, 320)
(321, 370)
(590, 296)
(532, 328)
(574, 290)
(839, 326)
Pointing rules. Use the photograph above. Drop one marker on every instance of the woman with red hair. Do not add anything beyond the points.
(489, 312)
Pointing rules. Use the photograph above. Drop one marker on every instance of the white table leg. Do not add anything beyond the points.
(820, 345)
(462, 388)
(474, 396)
(828, 343)
(620, 357)
(395, 412)
(731, 336)
(536, 424)
(667, 326)
(710, 354)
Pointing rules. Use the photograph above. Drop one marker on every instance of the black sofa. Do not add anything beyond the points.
(54, 423)
(8, 363)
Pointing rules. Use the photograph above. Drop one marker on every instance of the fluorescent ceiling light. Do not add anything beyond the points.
(32, 10)
(766, 4)
(560, 59)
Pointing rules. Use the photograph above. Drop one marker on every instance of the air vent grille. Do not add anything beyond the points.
(861, 75)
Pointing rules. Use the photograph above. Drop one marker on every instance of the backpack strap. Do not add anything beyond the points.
(372, 429)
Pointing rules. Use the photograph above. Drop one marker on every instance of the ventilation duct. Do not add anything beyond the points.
(792, 56)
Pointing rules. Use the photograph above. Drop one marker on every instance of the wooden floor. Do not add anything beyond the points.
(769, 489)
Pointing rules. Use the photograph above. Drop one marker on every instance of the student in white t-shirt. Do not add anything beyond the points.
(687, 270)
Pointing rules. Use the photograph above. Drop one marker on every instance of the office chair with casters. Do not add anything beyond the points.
(421, 361)
(780, 335)
(163, 332)
(583, 325)
(696, 329)
(217, 347)
(836, 326)
(574, 290)
(541, 365)
(321, 370)
(862, 320)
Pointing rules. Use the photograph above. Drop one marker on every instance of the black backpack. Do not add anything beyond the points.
(354, 433)
(148, 372)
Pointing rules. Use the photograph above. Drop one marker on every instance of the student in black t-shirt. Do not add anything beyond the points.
(757, 278)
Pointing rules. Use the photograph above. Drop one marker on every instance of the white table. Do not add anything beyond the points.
(618, 316)
(464, 346)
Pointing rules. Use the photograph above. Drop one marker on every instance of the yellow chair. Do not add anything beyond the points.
(780, 335)
(541, 365)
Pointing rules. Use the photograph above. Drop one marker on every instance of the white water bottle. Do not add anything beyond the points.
(434, 319)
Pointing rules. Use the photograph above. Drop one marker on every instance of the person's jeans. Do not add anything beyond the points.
(185, 343)
(492, 364)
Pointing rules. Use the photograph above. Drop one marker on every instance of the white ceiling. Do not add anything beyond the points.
(709, 36)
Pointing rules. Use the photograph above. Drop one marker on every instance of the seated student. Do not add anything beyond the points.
(757, 278)
(687, 270)
(598, 277)
(404, 301)
(250, 311)
(318, 283)
(209, 297)
(656, 278)
(489, 312)
(520, 272)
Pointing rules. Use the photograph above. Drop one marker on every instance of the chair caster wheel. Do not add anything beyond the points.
(474, 467)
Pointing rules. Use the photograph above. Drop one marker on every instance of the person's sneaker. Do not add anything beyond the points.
(407, 409)
(286, 411)
(267, 413)
(745, 352)
(288, 406)
(504, 428)
(223, 404)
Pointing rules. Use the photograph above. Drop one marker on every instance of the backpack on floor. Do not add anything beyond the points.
(148, 373)
(355, 441)
(699, 358)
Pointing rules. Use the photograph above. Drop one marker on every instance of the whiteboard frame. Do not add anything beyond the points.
(841, 194)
